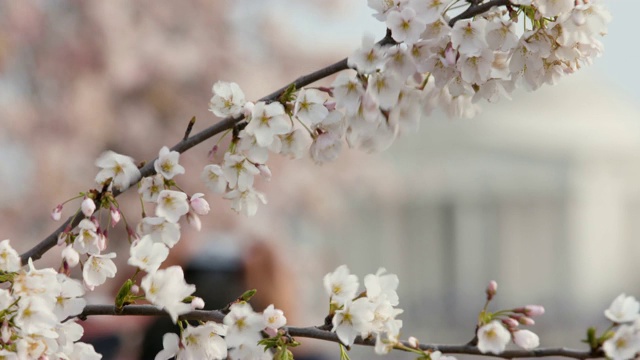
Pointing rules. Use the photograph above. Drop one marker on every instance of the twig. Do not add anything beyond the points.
(475, 9)
(189, 128)
(320, 334)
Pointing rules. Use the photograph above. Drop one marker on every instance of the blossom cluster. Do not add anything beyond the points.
(33, 310)
(431, 60)
(624, 342)
(496, 330)
(372, 313)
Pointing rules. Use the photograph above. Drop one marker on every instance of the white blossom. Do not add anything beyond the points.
(9, 258)
(98, 268)
(160, 229)
(309, 107)
(353, 319)
(274, 318)
(166, 289)
(199, 204)
(214, 179)
(147, 255)
(150, 187)
(69, 301)
(118, 167)
(228, 99)
(624, 344)
(623, 309)
(172, 205)
(243, 325)
(493, 338)
(238, 171)
(245, 201)
(267, 121)
(167, 163)
(382, 286)
(341, 285)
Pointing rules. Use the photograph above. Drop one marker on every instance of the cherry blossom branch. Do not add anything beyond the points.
(321, 334)
(477, 9)
(187, 143)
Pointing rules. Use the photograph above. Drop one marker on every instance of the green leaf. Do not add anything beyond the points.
(123, 295)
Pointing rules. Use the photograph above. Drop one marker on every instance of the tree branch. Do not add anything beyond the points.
(320, 334)
(477, 9)
(50, 241)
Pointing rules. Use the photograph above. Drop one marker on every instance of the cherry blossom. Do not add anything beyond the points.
(150, 187)
(268, 120)
(493, 338)
(245, 201)
(624, 344)
(9, 258)
(214, 179)
(238, 171)
(147, 255)
(97, 269)
(69, 301)
(172, 205)
(353, 319)
(243, 325)
(118, 167)
(274, 318)
(228, 99)
(341, 285)
(166, 289)
(309, 107)
(160, 229)
(623, 309)
(167, 163)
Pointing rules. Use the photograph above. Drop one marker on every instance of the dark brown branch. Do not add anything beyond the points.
(317, 333)
(477, 9)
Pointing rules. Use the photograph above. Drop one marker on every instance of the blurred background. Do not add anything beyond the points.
(541, 193)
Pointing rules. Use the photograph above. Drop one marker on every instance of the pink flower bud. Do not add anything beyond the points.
(135, 289)
(526, 321)
(413, 342)
(264, 171)
(197, 303)
(213, 152)
(526, 339)
(56, 214)
(199, 204)
(330, 105)
(492, 289)
(88, 206)
(533, 310)
(115, 215)
(510, 323)
(449, 55)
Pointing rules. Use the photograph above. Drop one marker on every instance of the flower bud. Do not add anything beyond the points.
(199, 205)
(264, 171)
(526, 339)
(510, 323)
(413, 342)
(56, 214)
(492, 289)
(88, 206)
(197, 303)
(115, 215)
(135, 289)
(71, 256)
(533, 310)
(526, 321)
